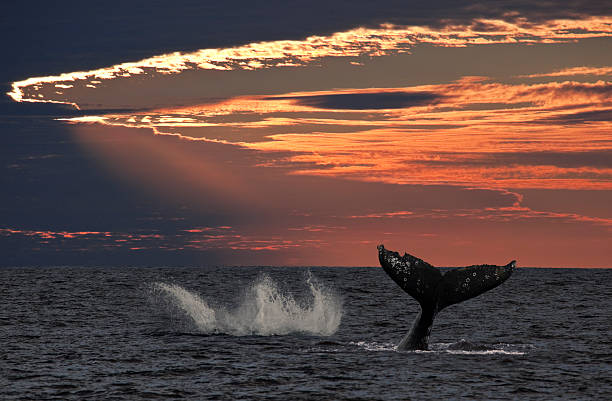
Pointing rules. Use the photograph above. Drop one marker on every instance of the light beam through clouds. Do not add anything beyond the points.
(473, 133)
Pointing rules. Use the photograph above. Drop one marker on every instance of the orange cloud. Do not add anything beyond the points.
(566, 72)
(200, 238)
(477, 133)
(496, 214)
(53, 234)
(387, 39)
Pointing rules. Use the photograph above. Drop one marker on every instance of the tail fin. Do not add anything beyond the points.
(460, 284)
(415, 276)
(435, 291)
(431, 289)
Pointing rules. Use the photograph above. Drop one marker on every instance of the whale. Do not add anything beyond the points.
(435, 290)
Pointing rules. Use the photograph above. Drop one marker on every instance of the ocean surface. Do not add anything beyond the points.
(292, 333)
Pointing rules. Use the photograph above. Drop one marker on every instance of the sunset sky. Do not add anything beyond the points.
(307, 133)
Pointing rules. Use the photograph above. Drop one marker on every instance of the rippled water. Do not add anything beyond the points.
(296, 333)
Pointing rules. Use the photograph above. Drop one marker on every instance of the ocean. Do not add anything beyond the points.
(292, 333)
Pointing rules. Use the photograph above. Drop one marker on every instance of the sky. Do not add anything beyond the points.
(306, 133)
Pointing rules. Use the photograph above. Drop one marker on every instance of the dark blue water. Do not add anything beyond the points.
(285, 333)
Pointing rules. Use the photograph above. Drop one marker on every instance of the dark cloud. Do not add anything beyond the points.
(42, 37)
(26, 109)
(579, 118)
(366, 101)
(568, 89)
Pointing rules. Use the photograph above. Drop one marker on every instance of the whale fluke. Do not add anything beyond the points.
(435, 291)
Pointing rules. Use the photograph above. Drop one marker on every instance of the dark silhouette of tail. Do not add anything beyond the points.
(435, 291)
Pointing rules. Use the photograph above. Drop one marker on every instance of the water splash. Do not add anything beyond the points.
(264, 310)
(202, 315)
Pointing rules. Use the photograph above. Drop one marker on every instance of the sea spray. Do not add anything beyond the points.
(191, 304)
(263, 310)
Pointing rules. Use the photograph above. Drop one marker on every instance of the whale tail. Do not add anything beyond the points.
(468, 282)
(435, 291)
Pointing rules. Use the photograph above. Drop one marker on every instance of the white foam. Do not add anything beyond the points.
(374, 346)
(437, 348)
(485, 352)
(502, 349)
(264, 310)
